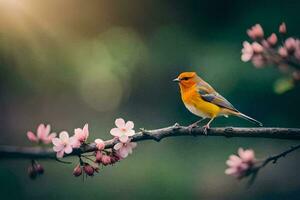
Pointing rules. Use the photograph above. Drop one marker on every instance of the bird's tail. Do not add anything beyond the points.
(249, 119)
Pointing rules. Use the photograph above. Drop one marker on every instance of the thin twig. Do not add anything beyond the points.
(272, 159)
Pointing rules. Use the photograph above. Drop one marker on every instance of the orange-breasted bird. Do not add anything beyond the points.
(202, 100)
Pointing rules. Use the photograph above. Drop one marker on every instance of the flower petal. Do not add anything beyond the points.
(60, 154)
(230, 171)
(58, 148)
(100, 144)
(77, 132)
(129, 125)
(74, 142)
(47, 130)
(56, 141)
(68, 149)
(118, 146)
(130, 132)
(120, 123)
(31, 136)
(52, 135)
(64, 135)
(41, 131)
(86, 131)
(124, 138)
(123, 152)
(115, 132)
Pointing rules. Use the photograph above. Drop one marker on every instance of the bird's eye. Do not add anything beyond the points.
(185, 78)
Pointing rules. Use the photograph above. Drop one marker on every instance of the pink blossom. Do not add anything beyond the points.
(100, 144)
(98, 156)
(124, 149)
(290, 44)
(256, 32)
(257, 48)
(77, 171)
(106, 160)
(88, 169)
(63, 144)
(123, 130)
(43, 134)
(272, 39)
(239, 165)
(247, 51)
(282, 28)
(247, 155)
(283, 52)
(80, 136)
(258, 60)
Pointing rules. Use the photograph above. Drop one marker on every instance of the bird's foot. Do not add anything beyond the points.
(205, 128)
(190, 127)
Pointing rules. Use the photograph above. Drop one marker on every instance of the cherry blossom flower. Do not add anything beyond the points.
(257, 48)
(239, 165)
(272, 39)
(124, 149)
(63, 144)
(283, 52)
(247, 155)
(258, 60)
(256, 32)
(100, 144)
(290, 44)
(282, 28)
(80, 136)
(247, 51)
(123, 130)
(43, 134)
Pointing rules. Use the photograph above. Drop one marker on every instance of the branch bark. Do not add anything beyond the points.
(157, 135)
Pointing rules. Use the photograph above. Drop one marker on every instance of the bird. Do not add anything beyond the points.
(204, 101)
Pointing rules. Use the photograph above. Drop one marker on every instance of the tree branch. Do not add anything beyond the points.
(157, 135)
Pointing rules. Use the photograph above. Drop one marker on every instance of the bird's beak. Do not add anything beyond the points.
(176, 80)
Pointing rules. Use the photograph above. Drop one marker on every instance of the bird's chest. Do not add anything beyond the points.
(196, 105)
(193, 109)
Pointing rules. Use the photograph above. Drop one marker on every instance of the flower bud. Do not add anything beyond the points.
(77, 171)
(39, 168)
(283, 52)
(290, 44)
(88, 169)
(105, 160)
(272, 39)
(98, 156)
(256, 32)
(100, 144)
(282, 28)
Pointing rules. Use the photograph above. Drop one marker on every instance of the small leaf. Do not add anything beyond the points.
(283, 85)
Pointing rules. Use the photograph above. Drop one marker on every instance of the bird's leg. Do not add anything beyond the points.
(195, 124)
(205, 127)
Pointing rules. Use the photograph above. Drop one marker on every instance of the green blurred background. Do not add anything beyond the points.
(75, 61)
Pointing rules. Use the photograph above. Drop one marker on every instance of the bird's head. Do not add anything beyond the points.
(187, 79)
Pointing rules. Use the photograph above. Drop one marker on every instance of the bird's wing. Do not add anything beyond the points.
(210, 95)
